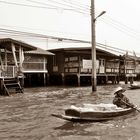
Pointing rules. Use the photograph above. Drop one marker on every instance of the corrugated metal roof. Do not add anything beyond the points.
(6, 43)
(82, 49)
(39, 51)
(99, 49)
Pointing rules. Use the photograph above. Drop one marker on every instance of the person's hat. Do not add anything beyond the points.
(118, 89)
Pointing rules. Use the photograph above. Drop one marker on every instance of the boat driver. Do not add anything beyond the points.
(121, 100)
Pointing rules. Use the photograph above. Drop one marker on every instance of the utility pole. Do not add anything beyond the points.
(93, 40)
(93, 52)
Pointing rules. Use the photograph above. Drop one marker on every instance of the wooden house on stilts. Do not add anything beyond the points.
(35, 68)
(11, 61)
(72, 66)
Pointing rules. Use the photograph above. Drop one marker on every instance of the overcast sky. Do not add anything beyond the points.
(119, 27)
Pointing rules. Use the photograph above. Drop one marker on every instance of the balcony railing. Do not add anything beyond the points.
(11, 71)
(34, 66)
(8, 71)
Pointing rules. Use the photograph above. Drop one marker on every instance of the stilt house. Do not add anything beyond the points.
(11, 65)
(74, 65)
(35, 68)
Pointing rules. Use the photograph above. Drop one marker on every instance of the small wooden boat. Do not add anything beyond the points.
(134, 86)
(93, 112)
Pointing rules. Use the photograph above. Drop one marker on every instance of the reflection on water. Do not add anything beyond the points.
(28, 116)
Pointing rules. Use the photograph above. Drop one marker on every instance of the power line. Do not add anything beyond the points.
(117, 50)
(40, 30)
(34, 6)
(115, 24)
(15, 32)
(113, 48)
(52, 7)
(78, 4)
(26, 5)
(61, 6)
(121, 29)
(104, 47)
(121, 25)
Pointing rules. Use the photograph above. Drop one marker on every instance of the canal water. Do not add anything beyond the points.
(28, 116)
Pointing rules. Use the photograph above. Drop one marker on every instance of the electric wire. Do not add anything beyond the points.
(34, 6)
(122, 26)
(40, 30)
(110, 49)
(123, 51)
(52, 7)
(39, 35)
(115, 24)
(59, 5)
(77, 4)
(26, 5)
(32, 36)
(112, 24)
(121, 29)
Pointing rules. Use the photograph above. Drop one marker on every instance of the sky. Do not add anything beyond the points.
(119, 27)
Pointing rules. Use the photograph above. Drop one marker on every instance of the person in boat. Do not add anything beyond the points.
(121, 100)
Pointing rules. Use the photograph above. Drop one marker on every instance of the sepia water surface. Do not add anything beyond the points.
(28, 116)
